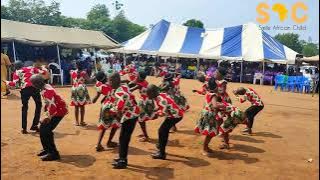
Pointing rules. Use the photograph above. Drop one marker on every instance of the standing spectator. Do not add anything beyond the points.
(5, 62)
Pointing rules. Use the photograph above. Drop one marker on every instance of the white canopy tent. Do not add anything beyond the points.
(244, 42)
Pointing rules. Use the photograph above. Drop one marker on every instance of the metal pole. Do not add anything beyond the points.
(59, 61)
(241, 71)
(287, 69)
(124, 59)
(14, 52)
(263, 67)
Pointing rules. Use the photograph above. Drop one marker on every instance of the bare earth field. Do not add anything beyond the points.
(286, 135)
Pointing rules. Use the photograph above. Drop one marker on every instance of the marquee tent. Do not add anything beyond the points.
(244, 42)
(50, 35)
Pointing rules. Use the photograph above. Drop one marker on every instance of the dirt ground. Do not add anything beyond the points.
(286, 135)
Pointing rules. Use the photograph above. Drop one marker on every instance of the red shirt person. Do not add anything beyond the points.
(21, 80)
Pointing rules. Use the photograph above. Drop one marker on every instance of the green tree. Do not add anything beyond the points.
(310, 49)
(99, 11)
(194, 23)
(290, 40)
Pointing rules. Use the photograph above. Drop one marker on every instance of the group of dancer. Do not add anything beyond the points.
(121, 109)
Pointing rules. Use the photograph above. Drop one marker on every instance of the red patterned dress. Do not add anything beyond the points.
(232, 117)
(132, 73)
(207, 124)
(55, 106)
(178, 96)
(125, 104)
(106, 119)
(79, 92)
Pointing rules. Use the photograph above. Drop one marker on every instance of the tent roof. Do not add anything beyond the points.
(49, 35)
(243, 42)
(311, 59)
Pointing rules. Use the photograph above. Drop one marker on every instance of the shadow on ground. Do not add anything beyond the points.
(81, 161)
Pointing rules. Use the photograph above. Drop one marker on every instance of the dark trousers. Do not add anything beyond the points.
(46, 135)
(163, 132)
(26, 93)
(251, 112)
(125, 135)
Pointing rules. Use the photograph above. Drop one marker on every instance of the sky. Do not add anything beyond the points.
(213, 13)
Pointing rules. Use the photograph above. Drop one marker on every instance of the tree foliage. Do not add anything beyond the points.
(98, 18)
(194, 23)
(290, 40)
(310, 49)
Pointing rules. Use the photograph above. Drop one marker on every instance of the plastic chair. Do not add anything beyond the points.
(306, 85)
(290, 86)
(299, 83)
(279, 81)
(258, 76)
(60, 74)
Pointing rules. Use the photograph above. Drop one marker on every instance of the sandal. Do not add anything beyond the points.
(99, 148)
(224, 146)
(112, 144)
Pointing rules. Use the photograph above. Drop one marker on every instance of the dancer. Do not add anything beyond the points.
(167, 107)
(207, 124)
(256, 105)
(106, 119)
(127, 112)
(171, 86)
(142, 86)
(79, 93)
(5, 64)
(55, 109)
(21, 79)
(222, 83)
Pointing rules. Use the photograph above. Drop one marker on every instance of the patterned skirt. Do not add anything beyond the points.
(107, 120)
(207, 124)
(231, 121)
(147, 110)
(79, 95)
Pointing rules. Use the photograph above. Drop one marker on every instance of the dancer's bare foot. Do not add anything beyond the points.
(83, 124)
(140, 135)
(207, 152)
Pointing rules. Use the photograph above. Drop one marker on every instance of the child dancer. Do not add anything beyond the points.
(170, 85)
(232, 117)
(222, 84)
(142, 86)
(165, 106)
(127, 112)
(208, 125)
(106, 120)
(79, 93)
(55, 109)
(256, 105)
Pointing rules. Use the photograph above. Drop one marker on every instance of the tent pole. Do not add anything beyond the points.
(287, 68)
(263, 67)
(198, 66)
(241, 71)
(59, 61)
(14, 52)
(124, 59)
